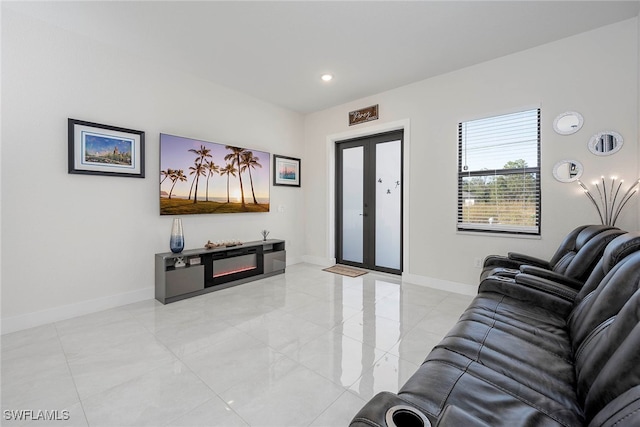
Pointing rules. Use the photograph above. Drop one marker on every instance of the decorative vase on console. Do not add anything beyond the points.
(177, 236)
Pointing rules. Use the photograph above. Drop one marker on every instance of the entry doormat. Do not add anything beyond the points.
(345, 271)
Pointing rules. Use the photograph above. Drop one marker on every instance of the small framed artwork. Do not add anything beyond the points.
(96, 149)
(286, 171)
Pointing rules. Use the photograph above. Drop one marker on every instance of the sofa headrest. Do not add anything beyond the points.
(580, 265)
(619, 248)
(589, 232)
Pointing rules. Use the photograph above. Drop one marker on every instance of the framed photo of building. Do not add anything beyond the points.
(286, 171)
(96, 149)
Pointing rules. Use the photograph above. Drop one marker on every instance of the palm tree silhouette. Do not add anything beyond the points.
(249, 161)
(177, 175)
(228, 170)
(234, 156)
(203, 153)
(166, 174)
(196, 170)
(211, 169)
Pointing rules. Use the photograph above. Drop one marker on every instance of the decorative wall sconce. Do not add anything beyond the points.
(608, 205)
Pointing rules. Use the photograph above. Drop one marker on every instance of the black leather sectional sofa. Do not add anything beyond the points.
(530, 351)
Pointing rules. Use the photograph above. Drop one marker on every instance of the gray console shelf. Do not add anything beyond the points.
(198, 271)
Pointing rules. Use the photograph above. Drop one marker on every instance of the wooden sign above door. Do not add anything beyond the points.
(363, 115)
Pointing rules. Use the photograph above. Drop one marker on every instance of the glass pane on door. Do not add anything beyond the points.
(352, 204)
(388, 204)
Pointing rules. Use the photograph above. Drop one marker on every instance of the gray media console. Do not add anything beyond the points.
(198, 271)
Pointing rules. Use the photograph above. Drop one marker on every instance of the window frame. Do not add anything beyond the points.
(520, 230)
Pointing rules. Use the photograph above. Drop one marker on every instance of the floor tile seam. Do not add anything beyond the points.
(388, 353)
(137, 377)
(299, 365)
(215, 396)
(389, 318)
(218, 394)
(73, 379)
(139, 373)
(384, 350)
(411, 361)
(292, 309)
(193, 353)
(327, 408)
(326, 377)
(130, 340)
(160, 340)
(142, 323)
(416, 324)
(119, 309)
(6, 364)
(324, 325)
(373, 364)
(323, 298)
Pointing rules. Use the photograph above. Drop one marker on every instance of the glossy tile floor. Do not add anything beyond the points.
(306, 348)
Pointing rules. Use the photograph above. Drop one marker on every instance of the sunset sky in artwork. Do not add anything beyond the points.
(174, 154)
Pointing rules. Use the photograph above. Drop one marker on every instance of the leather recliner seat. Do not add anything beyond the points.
(572, 262)
(559, 295)
(508, 362)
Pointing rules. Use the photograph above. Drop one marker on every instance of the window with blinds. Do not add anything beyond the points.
(499, 174)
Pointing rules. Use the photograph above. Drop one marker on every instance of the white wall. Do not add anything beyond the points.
(78, 243)
(73, 243)
(595, 73)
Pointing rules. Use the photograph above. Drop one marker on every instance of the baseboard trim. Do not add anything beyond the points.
(39, 318)
(294, 260)
(317, 260)
(441, 284)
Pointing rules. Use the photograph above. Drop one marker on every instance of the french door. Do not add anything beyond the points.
(369, 202)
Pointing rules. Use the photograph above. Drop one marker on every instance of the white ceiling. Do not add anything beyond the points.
(276, 51)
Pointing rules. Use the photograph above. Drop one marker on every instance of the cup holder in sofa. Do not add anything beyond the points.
(406, 416)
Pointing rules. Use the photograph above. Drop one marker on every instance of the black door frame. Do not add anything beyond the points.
(369, 198)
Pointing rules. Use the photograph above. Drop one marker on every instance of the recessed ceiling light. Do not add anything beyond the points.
(326, 77)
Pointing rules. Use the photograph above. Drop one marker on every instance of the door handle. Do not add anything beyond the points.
(363, 214)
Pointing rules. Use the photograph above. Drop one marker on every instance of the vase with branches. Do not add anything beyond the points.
(608, 204)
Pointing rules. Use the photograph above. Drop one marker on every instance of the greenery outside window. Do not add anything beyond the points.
(499, 174)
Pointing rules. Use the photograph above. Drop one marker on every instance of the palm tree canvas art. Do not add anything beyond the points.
(200, 177)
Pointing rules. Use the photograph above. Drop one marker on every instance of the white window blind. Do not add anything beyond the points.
(499, 174)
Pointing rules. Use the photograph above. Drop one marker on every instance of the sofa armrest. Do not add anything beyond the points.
(453, 416)
(525, 259)
(505, 272)
(553, 276)
(538, 291)
(377, 412)
(497, 261)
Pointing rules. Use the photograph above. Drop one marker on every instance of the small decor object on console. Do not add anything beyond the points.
(264, 233)
(609, 207)
(222, 243)
(177, 236)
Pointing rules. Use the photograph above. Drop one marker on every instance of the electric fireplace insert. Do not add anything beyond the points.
(235, 263)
